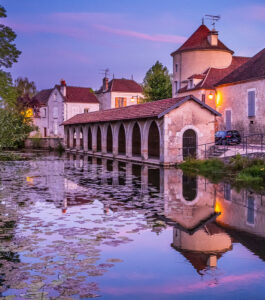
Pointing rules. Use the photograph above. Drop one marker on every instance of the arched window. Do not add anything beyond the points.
(153, 141)
(109, 140)
(89, 139)
(98, 139)
(122, 141)
(136, 140)
(189, 187)
(189, 143)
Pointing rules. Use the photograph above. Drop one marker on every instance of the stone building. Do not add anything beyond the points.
(159, 132)
(59, 104)
(119, 93)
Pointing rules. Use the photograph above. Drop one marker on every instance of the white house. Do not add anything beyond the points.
(60, 104)
(119, 93)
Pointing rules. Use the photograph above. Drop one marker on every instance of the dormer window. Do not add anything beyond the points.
(190, 84)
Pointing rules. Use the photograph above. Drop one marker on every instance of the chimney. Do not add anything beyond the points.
(105, 84)
(63, 87)
(213, 38)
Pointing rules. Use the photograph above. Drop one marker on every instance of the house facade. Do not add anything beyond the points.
(119, 93)
(59, 104)
(233, 85)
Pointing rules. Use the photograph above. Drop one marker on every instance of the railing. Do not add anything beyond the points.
(254, 143)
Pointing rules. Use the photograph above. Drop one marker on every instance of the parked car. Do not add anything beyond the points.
(227, 137)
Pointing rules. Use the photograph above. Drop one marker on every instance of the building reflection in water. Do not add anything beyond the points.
(206, 219)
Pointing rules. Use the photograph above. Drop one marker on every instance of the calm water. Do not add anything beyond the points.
(76, 227)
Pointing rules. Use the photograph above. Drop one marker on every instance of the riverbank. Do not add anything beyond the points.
(241, 171)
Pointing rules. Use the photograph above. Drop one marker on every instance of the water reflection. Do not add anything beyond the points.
(91, 202)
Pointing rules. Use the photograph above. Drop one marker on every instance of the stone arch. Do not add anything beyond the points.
(74, 138)
(99, 142)
(136, 140)
(109, 139)
(89, 138)
(122, 140)
(81, 139)
(153, 141)
(68, 138)
(189, 143)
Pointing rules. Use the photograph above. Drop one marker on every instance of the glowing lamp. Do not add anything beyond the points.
(210, 96)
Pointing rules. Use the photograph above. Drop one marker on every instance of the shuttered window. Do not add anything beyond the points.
(251, 103)
(120, 102)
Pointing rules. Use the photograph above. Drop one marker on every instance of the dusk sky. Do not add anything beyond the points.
(76, 39)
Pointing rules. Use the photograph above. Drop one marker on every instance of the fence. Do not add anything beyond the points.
(254, 143)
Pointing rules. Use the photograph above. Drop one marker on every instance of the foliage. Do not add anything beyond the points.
(157, 84)
(25, 87)
(60, 148)
(8, 51)
(8, 93)
(14, 128)
(9, 156)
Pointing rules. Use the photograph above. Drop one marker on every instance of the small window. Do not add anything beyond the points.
(203, 98)
(55, 112)
(86, 110)
(251, 104)
(176, 67)
(44, 112)
(120, 102)
(176, 86)
(134, 99)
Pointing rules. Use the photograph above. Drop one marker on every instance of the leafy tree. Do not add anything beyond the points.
(25, 87)
(8, 93)
(8, 51)
(157, 84)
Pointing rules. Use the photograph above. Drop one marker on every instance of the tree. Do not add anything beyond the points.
(157, 84)
(8, 51)
(8, 93)
(25, 87)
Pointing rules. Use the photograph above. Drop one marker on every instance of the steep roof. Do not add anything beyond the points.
(253, 69)
(199, 40)
(213, 75)
(155, 109)
(123, 85)
(42, 97)
(80, 95)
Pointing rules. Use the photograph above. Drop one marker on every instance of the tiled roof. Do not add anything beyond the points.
(123, 85)
(199, 40)
(253, 69)
(43, 96)
(80, 95)
(197, 76)
(140, 111)
(213, 75)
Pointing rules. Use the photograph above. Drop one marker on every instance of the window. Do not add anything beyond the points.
(45, 132)
(190, 84)
(134, 99)
(251, 104)
(44, 112)
(176, 67)
(203, 98)
(55, 127)
(55, 112)
(176, 86)
(86, 110)
(120, 102)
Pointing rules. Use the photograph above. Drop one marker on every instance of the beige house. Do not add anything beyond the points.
(59, 104)
(119, 93)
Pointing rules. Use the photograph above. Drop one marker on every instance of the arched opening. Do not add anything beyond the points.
(89, 139)
(136, 140)
(122, 141)
(67, 138)
(74, 139)
(109, 140)
(153, 141)
(81, 139)
(189, 144)
(98, 139)
(189, 187)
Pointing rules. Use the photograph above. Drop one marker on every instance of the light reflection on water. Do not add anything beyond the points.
(81, 226)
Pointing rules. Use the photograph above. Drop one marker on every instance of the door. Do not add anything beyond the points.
(228, 119)
(189, 144)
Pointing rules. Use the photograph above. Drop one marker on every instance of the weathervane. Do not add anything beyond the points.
(213, 19)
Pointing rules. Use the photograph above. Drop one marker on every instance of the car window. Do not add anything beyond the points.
(219, 133)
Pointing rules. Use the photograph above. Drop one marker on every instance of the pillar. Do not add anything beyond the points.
(115, 139)
(104, 129)
(94, 138)
(77, 138)
(85, 138)
(71, 132)
(65, 136)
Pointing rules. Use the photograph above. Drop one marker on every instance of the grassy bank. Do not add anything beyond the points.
(10, 156)
(239, 170)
